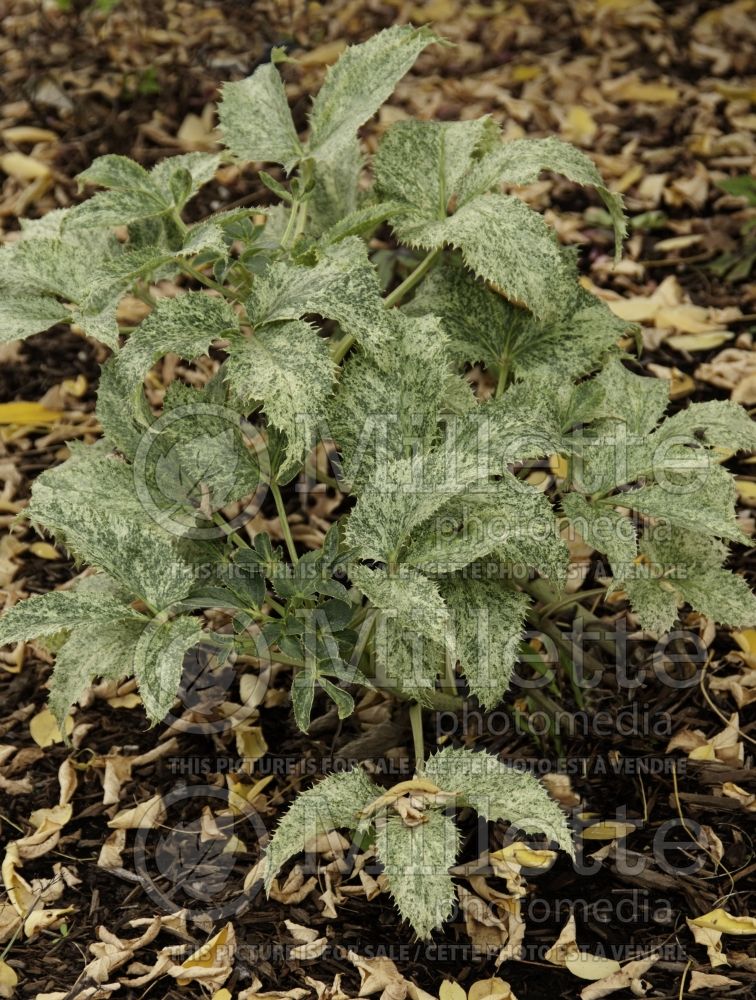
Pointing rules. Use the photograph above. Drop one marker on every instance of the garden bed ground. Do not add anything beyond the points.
(657, 94)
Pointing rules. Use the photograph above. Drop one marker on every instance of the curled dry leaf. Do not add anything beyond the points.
(8, 980)
(628, 978)
(724, 922)
(724, 746)
(45, 731)
(143, 816)
(711, 940)
(709, 981)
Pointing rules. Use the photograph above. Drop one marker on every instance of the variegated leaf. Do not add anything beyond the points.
(498, 792)
(286, 367)
(416, 861)
(522, 161)
(49, 613)
(332, 804)
(358, 84)
(256, 121)
(487, 624)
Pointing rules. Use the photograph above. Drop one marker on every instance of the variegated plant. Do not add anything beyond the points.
(447, 548)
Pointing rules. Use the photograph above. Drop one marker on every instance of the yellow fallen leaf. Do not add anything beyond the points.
(648, 93)
(679, 242)
(525, 72)
(44, 550)
(607, 829)
(736, 91)
(490, 989)
(41, 920)
(143, 816)
(45, 730)
(323, 55)
(699, 341)
(434, 10)
(559, 466)
(25, 414)
(746, 491)
(591, 967)
(241, 794)
(451, 991)
(250, 744)
(746, 640)
(580, 126)
(23, 167)
(57, 815)
(125, 700)
(223, 994)
(524, 856)
(8, 980)
(746, 799)
(724, 922)
(630, 177)
(711, 940)
(687, 318)
(707, 981)
(635, 310)
(28, 133)
(216, 954)
(75, 386)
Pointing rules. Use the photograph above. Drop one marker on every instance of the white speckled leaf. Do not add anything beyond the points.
(385, 411)
(22, 315)
(358, 84)
(487, 625)
(704, 504)
(285, 366)
(506, 243)
(46, 614)
(483, 326)
(342, 285)
(604, 529)
(116, 208)
(335, 187)
(416, 862)
(409, 597)
(256, 121)
(332, 804)
(119, 173)
(91, 651)
(185, 325)
(422, 163)
(508, 518)
(159, 661)
(522, 161)
(635, 399)
(680, 566)
(720, 423)
(201, 168)
(90, 504)
(498, 792)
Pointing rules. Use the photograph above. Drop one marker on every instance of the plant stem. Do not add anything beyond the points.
(291, 222)
(416, 721)
(343, 346)
(571, 599)
(203, 279)
(503, 378)
(412, 279)
(285, 529)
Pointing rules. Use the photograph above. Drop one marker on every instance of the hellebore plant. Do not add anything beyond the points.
(446, 547)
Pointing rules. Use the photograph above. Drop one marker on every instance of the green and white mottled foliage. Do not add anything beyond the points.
(417, 853)
(298, 329)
